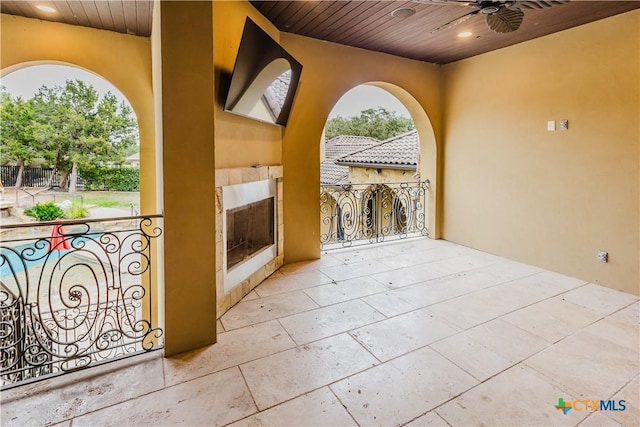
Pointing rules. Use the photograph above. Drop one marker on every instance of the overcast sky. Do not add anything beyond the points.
(364, 97)
(26, 82)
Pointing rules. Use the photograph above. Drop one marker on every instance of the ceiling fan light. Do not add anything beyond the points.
(403, 12)
(45, 8)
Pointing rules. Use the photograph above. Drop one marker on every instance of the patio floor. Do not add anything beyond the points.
(418, 332)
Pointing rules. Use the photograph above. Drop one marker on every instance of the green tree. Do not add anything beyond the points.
(80, 131)
(18, 142)
(376, 123)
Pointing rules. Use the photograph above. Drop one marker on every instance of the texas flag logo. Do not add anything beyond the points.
(563, 406)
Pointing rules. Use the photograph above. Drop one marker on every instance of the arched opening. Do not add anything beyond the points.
(79, 139)
(389, 178)
(83, 267)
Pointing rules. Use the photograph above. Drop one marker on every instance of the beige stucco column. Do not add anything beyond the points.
(184, 89)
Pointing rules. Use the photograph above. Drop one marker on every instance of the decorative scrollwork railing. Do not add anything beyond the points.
(75, 294)
(369, 213)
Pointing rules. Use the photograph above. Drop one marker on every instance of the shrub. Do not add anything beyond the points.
(111, 178)
(76, 211)
(45, 211)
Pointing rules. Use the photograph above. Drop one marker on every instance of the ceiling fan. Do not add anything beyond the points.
(502, 16)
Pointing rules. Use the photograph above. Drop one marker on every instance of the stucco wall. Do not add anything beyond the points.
(378, 176)
(552, 199)
(239, 141)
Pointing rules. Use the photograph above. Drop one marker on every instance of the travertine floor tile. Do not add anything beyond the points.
(430, 419)
(334, 319)
(604, 366)
(552, 319)
(551, 283)
(598, 298)
(285, 375)
(233, 348)
(291, 282)
(357, 269)
(259, 310)
(214, 400)
(77, 393)
(402, 334)
(509, 270)
(327, 260)
(356, 255)
(507, 340)
(345, 290)
(629, 314)
(423, 256)
(441, 317)
(514, 397)
(390, 304)
(599, 419)
(471, 356)
(631, 395)
(473, 309)
(400, 390)
(449, 287)
(621, 333)
(478, 307)
(408, 275)
(318, 408)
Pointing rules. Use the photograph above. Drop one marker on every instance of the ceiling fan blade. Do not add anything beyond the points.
(505, 20)
(447, 2)
(454, 22)
(537, 4)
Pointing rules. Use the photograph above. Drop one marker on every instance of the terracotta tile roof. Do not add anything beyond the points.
(401, 151)
(332, 173)
(276, 93)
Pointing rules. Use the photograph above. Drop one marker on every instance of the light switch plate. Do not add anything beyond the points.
(551, 125)
(564, 124)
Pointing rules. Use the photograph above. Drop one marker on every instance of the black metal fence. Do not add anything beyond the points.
(76, 294)
(31, 176)
(369, 213)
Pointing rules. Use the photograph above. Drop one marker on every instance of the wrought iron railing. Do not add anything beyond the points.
(75, 294)
(368, 213)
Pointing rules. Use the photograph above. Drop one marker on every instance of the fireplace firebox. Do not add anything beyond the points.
(250, 228)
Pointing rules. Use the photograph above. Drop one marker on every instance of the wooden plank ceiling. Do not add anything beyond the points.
(370, 25)
(122, 16)
(365, 24)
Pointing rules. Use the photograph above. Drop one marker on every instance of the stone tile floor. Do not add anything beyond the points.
(417, 333)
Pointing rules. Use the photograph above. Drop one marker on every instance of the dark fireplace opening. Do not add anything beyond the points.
(250, 228)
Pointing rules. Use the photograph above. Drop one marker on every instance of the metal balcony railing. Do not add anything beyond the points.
(357, 214)
(75, 294)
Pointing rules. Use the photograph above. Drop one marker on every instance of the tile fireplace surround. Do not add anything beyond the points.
(226, 177)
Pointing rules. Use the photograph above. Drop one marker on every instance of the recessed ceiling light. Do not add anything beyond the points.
(45, 8)
(465, 34)
(403, 12)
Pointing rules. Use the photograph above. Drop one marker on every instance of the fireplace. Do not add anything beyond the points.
(249, 228)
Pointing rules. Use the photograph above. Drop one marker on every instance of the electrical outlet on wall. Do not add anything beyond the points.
(603, 256)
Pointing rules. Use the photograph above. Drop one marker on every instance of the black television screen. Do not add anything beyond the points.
(264, 79)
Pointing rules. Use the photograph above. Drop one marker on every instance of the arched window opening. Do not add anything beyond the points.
(370, 160)
(69, 137)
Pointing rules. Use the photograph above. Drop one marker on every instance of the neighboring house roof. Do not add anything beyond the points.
(399, 152)
(332, 173)
(276, 93)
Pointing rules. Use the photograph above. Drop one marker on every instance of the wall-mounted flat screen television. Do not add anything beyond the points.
(264, 79)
